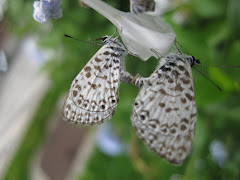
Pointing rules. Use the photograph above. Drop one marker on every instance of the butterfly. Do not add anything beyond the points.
(164, 112)
(93, 95)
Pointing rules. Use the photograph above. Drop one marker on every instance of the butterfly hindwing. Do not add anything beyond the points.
(93, 95)
(164, 112)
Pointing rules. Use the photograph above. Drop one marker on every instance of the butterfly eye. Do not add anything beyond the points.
(194, 61)
(104, 38)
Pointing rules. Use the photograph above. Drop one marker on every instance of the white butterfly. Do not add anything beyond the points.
(93, 96)
(164, 112)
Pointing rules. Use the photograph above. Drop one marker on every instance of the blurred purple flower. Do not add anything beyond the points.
(108, 142)
(44, 10)
(161, 6)
(3, 61)
(218, 152)
(142, 6)
(35, 53)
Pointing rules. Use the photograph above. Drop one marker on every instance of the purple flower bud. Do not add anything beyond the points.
(44, 10)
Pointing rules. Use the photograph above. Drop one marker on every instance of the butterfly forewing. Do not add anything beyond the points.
(93, 95)
(164, 112)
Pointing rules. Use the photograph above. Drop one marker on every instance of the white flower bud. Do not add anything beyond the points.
(140, 33)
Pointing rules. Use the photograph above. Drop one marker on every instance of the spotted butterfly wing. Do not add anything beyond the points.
(93, 96)
(164, 112)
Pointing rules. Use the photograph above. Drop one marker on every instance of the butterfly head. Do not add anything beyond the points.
(104, 39)
(193, 61)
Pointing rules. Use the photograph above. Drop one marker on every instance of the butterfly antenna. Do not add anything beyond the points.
(222, 66)
(157, 53)
(81, 40)
(208, 79)
(178, 44)
(120, 31)
(114, 34)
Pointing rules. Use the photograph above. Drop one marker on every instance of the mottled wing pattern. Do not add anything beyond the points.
(164, 112)
(93, 95)
(141, 6)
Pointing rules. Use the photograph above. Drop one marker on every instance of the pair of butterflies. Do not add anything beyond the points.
(164, 112)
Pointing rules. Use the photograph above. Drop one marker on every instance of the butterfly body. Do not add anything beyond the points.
(164, 112)
(93, 95)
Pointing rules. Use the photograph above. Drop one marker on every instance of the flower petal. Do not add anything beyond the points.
(139, 33)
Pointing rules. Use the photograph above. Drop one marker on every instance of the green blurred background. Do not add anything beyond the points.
(210, 31)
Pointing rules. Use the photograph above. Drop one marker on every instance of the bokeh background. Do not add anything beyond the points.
(43, 63)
